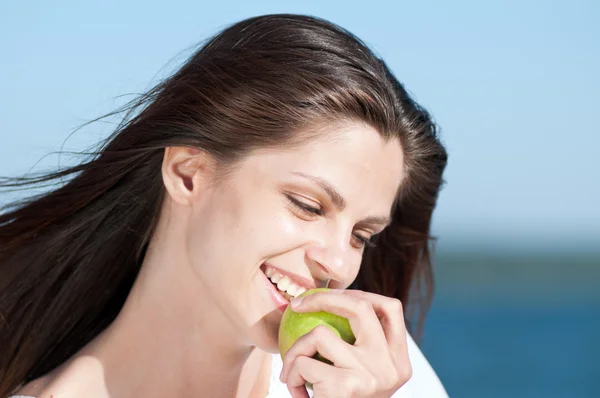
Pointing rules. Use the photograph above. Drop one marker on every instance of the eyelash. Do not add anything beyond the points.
(313, 211)
(310, 210)
(365, 241)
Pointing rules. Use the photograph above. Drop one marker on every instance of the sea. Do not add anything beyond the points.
(516, 325)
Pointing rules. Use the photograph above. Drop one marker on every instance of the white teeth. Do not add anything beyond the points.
(291, 290)
(299, 291)
(284, 283)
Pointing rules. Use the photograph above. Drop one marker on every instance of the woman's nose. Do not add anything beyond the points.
(332, 260)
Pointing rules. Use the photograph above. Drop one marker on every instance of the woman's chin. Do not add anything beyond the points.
(269, 343)
(270, 348)
(266, 337)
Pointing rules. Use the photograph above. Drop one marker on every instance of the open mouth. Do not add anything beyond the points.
(285, 286)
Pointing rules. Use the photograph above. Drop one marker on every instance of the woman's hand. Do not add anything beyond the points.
(375, 366)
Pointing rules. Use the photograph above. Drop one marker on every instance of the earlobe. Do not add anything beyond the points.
(183, 170)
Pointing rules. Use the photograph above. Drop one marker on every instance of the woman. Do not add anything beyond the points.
(283, 147)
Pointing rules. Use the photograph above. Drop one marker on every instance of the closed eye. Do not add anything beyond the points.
(313, 212)
(364, 241)
(305, 207)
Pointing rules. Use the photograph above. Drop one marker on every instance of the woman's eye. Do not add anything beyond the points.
(305, 208)
(363, 241)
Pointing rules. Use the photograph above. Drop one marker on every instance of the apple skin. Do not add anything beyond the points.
(296, 324)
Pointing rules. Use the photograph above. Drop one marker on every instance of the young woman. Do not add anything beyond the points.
(283, 155)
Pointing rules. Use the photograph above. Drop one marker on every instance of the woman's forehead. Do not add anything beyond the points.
(356, 159)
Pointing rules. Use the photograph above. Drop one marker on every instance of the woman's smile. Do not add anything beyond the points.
(283, 286)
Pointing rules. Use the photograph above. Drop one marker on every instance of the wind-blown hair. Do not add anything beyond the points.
(69, 257)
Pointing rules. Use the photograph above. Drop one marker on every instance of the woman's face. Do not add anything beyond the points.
(301, 213)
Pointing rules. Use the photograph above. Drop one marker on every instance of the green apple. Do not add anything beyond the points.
(296, 324)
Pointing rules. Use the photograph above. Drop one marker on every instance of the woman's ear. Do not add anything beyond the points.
(186, 171)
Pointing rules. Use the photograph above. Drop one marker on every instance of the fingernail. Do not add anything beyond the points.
(296, 301)
(336, 290)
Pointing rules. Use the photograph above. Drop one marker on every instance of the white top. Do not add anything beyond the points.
(424, 383)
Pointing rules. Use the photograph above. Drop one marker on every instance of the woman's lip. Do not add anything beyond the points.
(297, 279)
(277, 298)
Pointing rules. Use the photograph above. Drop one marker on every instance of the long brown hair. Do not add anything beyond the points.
(69, 256)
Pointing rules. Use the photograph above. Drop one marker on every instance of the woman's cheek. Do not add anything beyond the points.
(292, 230)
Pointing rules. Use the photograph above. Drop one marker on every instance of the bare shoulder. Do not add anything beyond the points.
(70, 379)
(34, 388)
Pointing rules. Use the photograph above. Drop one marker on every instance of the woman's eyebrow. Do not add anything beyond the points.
(379, 220)
(337, 199)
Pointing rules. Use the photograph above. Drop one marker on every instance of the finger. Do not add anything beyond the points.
(360, 313)
(391, 315)
(305, 369)
(324, 341)
(298, 392)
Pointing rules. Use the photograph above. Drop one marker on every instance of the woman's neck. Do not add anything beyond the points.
(163, 343)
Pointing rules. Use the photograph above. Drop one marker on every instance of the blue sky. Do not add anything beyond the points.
(514, 86)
